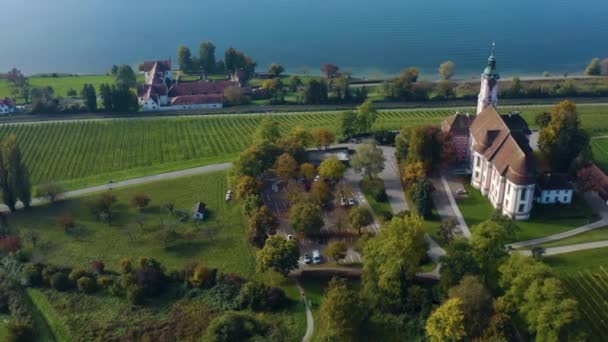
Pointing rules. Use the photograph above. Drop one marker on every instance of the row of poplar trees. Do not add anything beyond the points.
(14, 176)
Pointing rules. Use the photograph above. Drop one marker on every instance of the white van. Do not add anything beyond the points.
(316, 257)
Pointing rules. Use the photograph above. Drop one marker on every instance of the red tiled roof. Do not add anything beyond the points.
(509, 150)
(458, 124)
(161, 66)
(201, 88)
(197, 99)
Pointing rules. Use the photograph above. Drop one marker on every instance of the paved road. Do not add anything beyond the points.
(569, 248)
(310, 322)
(446, 204)
(392, 181)
(134, 181)
(598, 206)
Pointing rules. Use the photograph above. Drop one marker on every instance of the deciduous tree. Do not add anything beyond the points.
(336, 250)
(261, 224)
(476, 304)
(246, 186)
(322, 137)
(422, 196)
(184, 59)
(267, 131)
(125, 77)
(315, 92)
(340, 312)
(275, 69)
(306, 218)
(331, 168)
(360, 217)
(278, 254)
(286, 167)
(412, 173)
(330, 70)
(307, 170)
(320, 193)
(368, 159)
(593, 68)
(446, 323)
(207, 57)
(446, 70)
(140, 201)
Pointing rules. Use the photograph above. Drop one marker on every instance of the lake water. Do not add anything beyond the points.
(373, 38)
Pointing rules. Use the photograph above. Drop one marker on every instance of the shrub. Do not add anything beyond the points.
(202, 276)
(50, 191)
(259, 297)
(76, 274)
(135, 295)
(20, 330)
(375, 187)
(10, 244)
(86, 284)
(98, 266)
(60, 282)
(105, 281)
(32, 275)
(47, 273)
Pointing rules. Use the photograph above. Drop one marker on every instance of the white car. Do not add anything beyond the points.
(352, 202)
(317, 177)
(461, 192)
(316, 257)
(290, 237)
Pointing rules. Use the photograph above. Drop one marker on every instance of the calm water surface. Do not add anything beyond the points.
(367, 37)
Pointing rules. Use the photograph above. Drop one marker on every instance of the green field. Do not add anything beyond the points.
(62, 84)
(222, 231)
(600, 152)
(585, 274)
(83, 153)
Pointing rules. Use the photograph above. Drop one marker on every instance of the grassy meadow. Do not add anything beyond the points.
(600, 152)
(91, 152)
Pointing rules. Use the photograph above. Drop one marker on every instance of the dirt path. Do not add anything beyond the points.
(310, 322)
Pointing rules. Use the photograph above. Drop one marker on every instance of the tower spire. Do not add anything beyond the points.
(488, 94)
(492, 50)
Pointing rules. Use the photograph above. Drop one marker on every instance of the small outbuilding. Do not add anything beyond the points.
(199, 210)
(7, 106)
(554, 188)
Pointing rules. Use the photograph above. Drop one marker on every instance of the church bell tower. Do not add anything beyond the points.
(488, 94)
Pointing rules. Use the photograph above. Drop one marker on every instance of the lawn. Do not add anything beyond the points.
(585, 275)
(599, 234)
(381, 209)
(62, 84)
(600, 152)
(218, 242)
(545, 220)
(209, 242)
(85, 153)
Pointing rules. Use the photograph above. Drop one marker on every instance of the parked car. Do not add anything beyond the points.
(316, 257)
(290, 237)
(306, 259)
(461, 191)
(317, 177)
(352, 202)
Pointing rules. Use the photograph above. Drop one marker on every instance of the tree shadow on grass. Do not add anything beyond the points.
(186, 248)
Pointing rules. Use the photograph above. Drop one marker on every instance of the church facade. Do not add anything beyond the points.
(497, 149)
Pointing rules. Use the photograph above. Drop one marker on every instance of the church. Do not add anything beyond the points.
(497, 149)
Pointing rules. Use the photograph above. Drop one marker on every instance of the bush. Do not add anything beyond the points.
(20, 330)
(76, 274)
(135, 295)
(259, 297)
(105, 281)
(60, 282)
(86, 284)
(202, 276)
(32, 275)
(47, 273)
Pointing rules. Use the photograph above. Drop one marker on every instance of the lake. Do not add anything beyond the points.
(371, 38)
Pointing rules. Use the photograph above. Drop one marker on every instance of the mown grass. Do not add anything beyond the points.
(585, 275)
(218, 241)
(382, 210)
(62, 84)
(84, 153)
(545, 220)
(600, 152)
(599, 234)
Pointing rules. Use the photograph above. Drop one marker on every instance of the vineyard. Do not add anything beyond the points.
(590, 288)
(89, 152)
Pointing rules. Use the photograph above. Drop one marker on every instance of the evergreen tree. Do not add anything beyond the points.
(14, 176)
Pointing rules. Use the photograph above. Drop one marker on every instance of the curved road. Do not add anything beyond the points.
(569, 248)
(310, 321)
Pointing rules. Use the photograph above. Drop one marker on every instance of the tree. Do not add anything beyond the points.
(330, 70)
(306, 218)
(320, 193)
(340, 312)
(307, 170)
(90, 97)
(331, 168)
(457, 263)
(315, 92)
(429, 145)
(125, 77)
(257, 296)
(360, 217)
(542, 119)
(366, 116)
(488, 248)
(336, 250)
(402, 143)
(14, 176)
(238, 63)
(587, 180)
(236, 326)
(563, 140)
(286, 167)
(184, 59)
(251, 203)
(593, 68)
(275, 69)
(261, 224)
(448, 229)
(294, 82)
(19, 84)
(476, 304)
(114, 70)
(235, 96)
(368, 159)
(538, 252)
(422, 196)
(391, 259)
(140, 201)
(446, 322)
(278, 254)
(66, 222)
(413, 173)
(105, 92)
(446, 70)
(516, 88)
(348, 124)
(322, 137)
(104, 206)
(207, 57)
(267, 131)
(246, 186)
